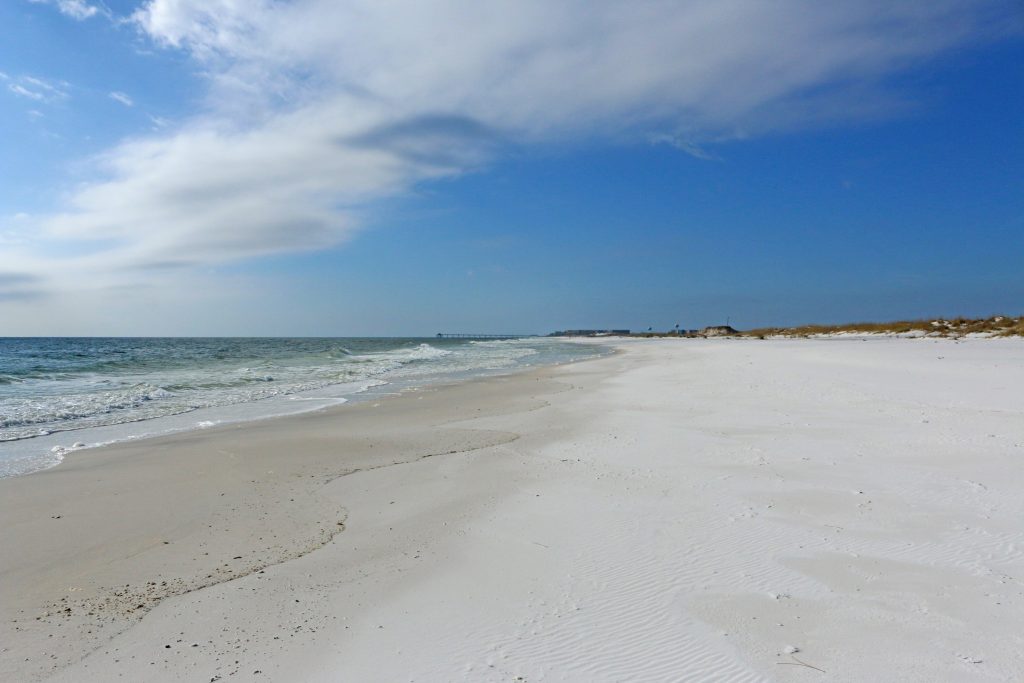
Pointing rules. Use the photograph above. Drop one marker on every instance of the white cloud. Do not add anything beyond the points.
(36, 89)
(122, 98)
(317, 108)
(159, 122)
(19, 89)
(680, 142)
(76, 9)
(543, 67)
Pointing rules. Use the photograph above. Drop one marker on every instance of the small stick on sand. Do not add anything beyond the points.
(797, 662)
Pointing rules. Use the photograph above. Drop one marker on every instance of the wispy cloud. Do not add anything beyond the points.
(76, 9)
(681, 142)
(19, 287)
(19, 89)
(122, 98)
(36, 89)
(318, 108)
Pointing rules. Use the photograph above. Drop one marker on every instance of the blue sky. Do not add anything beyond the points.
(349, 168)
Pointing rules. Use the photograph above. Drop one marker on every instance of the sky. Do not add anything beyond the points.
(397, 167)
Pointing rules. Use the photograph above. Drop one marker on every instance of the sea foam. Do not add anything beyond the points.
(111, 390)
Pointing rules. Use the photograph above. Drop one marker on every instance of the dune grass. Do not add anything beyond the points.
(995, 326)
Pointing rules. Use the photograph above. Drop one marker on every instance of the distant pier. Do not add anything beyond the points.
(468, 335)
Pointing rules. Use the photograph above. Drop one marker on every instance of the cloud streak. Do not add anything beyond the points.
(37, 89)
(79, 10)
(317, 109)
(19, 287)
(123, 98)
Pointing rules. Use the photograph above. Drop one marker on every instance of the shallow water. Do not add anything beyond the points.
(57, 394)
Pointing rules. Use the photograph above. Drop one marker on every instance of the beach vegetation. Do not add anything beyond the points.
(993, 326)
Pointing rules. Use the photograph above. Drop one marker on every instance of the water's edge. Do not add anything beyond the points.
(46, 450)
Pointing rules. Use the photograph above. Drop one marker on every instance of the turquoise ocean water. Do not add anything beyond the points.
(62, 394)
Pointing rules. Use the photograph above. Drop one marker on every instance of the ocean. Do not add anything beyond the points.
(58, 395)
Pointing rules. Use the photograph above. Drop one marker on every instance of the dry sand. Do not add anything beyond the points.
(683, 510)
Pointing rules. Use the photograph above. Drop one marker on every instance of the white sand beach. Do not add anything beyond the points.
(684, 510)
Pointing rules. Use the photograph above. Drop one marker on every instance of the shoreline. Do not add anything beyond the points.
(671, 511)
(27, 454)
(109, 611)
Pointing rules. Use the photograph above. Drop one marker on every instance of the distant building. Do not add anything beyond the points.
(718, 331)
